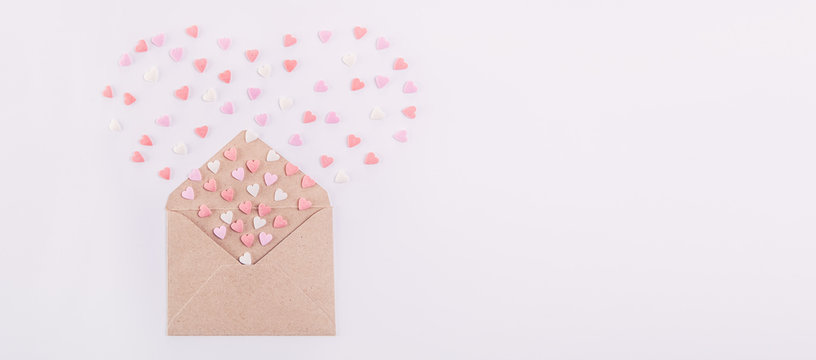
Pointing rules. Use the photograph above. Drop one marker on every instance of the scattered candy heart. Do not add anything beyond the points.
(380, 81)
(264, 210)
(115, 125)
(264, 238)
(245, 207)
(280, 194)
(192, 31)
(200, 64)
(163, 120)
(188, 193)
(352, 140)
(251, 54)
(258, 222)
(145, 140)
(289, 40)
(332, 118)
(214, 166)
(195, 175)
(272, 155)
(250, 136)
(137, 157)
(401, 136)
(108, 92)
(341, 177)
(285, 103)
(253, 189)
(237, 225)
(227, 217)
(377, 113)
(245, 259)
(125, 60)
(295, 140)
(253, 93)
(409, 87)
(349, 59)
(270, 178)
(202, 131)
(158, 40)
(227, 108)
(183, 92)
(382, 43)
(307, 182)
(221, 232)
(180, 148)
(210, 185)
(141, 46)
(165, 173)
(151, 75)
(325, 161)
(129, 99)
(204, 211)
(324, 35)
(359, 32)
(238, 174)
(409, 112)
(371, 159)
(279, 222)
(176, 54)
(253, 165)
(224, 43)
(304, 204)
(290, 169)
(265, 70)
(320, 86)
(209, 95)
(400, 64)
(225, 76)
(228, 194)
(357, 84)
(289, 65)
(260, 119)
(308, 117)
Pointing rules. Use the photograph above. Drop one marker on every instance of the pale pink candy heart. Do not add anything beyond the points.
(220, 232)
(303, 204)
(195, 175)
(321, 86)
(401, 136)
(324, 35)
(270, 178)
(238, 174)
(227, 108)
(264, 238)
(380, 81)
(176, 54)
(332, 118)
(382, 43)
(158, 40)
(163, 120)
(224, 43)
(253, 93)
(188, 193)
(409, 87)
(295, 140)
(125, 60)
(261, 119)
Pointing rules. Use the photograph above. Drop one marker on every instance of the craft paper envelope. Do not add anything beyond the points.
(288, 289)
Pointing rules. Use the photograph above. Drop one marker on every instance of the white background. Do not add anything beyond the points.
(585, 180)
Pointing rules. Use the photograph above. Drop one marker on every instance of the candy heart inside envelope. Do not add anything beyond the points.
(248, 198)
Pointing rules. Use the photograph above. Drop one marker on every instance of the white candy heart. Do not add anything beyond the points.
(285, 103)
(253, 189)
(280, 195)
(258, 222)
(250, 136)
(214, 166)
(180, 149)
(349, 59)
(209, 95)
(272, 155)
(265, 70)
(116, 126)
(341, 177)
(227, 217)
(152, 75)
(377, 113)
(246, 259)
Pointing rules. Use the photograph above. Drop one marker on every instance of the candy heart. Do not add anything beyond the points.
(289, 65)
(188, 193)
(401, 136)
(356, 84)
(245, 259)
(228, 194)
(409, 87)
(295, 140)
(114, 125)
(202, 131)
(285, 103)
(253, 93)
(400, 64)
(251, 54)
(145, 140)
(279, 222)
(272, 155)
(264, 238)
(224, 43)
(151, 75)
(341, 177)
(253, 189)
(238, 174)
(253, 165)
(214, 166)
(308, 117)
(227, 108)
(307, 182)
(371, 159)
(180, 149)
(380, 81)
(270, 178)
(237, 225)
(349, 59)
(108, 92)
(247, 239)
(183, 92)
(409, 112)
(192, 31)
(377, 113)
(125, 60)
(158, 40)
(210, 185)
(163, 120)
(141, 46)
(289, 40)
(245, 207)
(359, 32)
(263, 209)
(200, 64)
(250, 136)
(320, 86)
(209, 95)
(325, 161)
(381, 43)
(352, 140)
(195, 175)
(176, 54)
(220, 232)
(165, 173)
(258, 222)
(265, 70)
(129, 99)
(204, 211)
(260, 119)
(280, 194)
(289, 169)
(324, 35)
(227, 217)
(304, 204)
(225, 76)
(332, 118)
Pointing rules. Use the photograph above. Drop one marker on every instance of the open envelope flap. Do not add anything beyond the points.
(289, 292)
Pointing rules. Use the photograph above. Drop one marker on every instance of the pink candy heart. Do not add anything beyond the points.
(195, 175)
(380, 81)
(263, 209)
(264, 238)
(188, 193)
(382, 43)
(238, 174)
(279, 222)
(270, 178)
(227, 108)
(261, 119)
(321, 86)
(203, 211)
(125, 60)
(307, 182)
(303, 204)
(220, 232)
(332, 118)
(158, 40)
(253, 93)
(324, 35)
(176, 54)
(163, 120)
(401, 136)
(253, 165)
(409, 87)
(248, 239)
(245, 207)
(224, 43)
(295, 140)
(237, 226)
